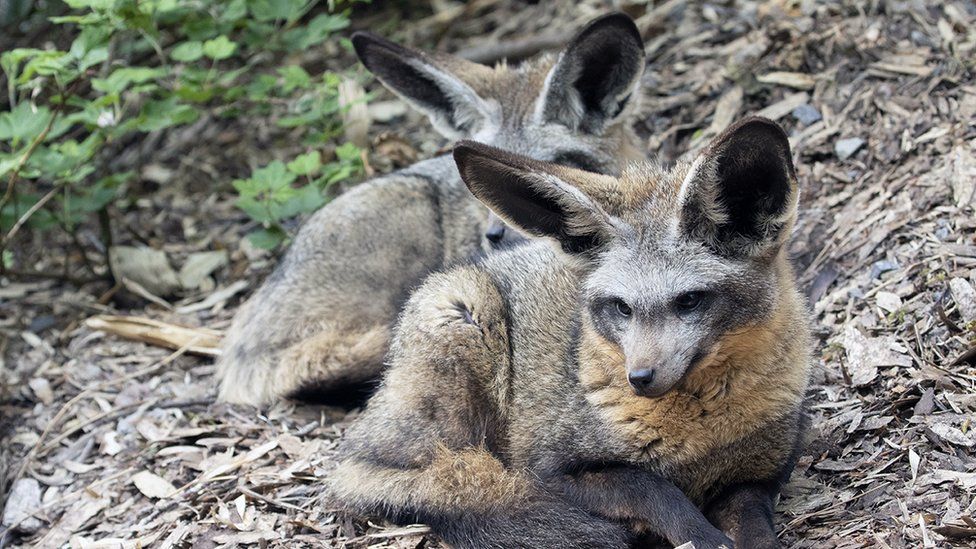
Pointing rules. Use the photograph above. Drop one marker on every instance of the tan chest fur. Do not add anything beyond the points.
(750, 378)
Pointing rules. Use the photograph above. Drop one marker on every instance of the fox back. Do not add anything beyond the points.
(321, 323)
(650, 368)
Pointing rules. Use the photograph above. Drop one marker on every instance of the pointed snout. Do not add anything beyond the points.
(657, 380)
(641, 380)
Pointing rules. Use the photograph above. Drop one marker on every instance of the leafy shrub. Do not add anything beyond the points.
(139, 66)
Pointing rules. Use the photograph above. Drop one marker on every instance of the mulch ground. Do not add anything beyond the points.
(112, 443)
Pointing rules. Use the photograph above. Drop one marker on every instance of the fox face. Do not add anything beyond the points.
(570, 109)
(679, 264)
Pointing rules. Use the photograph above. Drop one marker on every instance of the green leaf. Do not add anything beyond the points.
(304, 200)
(77, 205)
(234, 11)
(24, 123)
(275, 10)
(267, 239)
(90, 4)
(187, 52)
(158, 115)
(347, 152)
(219, 48)
(9, 61)
(122, 78)
(306, 164)
(260, 88)
(317, 31)
(294, 77)
(8, 164)
(275, 176)
(47, 63)
(17, 207)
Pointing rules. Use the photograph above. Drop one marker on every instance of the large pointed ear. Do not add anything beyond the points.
(741, 196)
(434, 84)
(595, 79)
(539, 198)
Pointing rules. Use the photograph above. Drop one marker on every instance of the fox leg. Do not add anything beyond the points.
(630, 494)
(421, 450)
(746, 513)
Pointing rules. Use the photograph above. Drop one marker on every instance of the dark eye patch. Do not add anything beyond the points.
(579, 160)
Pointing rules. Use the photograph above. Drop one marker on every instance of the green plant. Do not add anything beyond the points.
(140, 66)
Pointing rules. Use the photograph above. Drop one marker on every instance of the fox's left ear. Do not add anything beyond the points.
(436, 84)
(596, 77)
(741, 195)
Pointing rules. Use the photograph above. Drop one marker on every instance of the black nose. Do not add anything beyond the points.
(495, 234)
(640, 380)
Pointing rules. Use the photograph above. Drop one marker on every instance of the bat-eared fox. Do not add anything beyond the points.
(322, 321)
(637, 372)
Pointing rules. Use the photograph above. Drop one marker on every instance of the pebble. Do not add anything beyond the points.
(807, 114)
(883, 266)
(845, 148)
(24, 498)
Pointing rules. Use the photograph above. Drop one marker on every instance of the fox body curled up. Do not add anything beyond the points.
(644, 377)
(323, 319)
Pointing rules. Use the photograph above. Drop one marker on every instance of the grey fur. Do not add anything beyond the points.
(508, 388)
(322, 321)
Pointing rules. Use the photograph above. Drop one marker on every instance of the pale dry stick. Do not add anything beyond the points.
(271, 501)
(15, 174)
(27, 215)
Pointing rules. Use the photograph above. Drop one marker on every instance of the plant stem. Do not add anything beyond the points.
(23, 219)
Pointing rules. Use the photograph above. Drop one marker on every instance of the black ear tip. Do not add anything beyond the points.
(763, 122)
(361, 39)
(617, 22)
(368, 44)
(760, 128)
(466, 150)
(463, 150)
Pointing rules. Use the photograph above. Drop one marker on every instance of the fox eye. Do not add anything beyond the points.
(622, 308)
(689, 301)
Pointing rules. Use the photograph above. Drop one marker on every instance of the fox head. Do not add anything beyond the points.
(572, 109)
(677, 263)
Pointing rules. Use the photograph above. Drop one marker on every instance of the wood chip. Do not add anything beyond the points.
(796, 80)
(152, 485)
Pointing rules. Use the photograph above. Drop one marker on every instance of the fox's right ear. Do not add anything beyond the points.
(595, 80)
(740, 198)
(432, 84)
(539, 198)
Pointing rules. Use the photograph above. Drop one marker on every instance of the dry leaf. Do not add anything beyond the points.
(950, 433)
(152, 486)
(145, 266)
(865, 355)
(888, 301)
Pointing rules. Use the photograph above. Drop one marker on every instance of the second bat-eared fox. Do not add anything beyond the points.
(322, 321)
